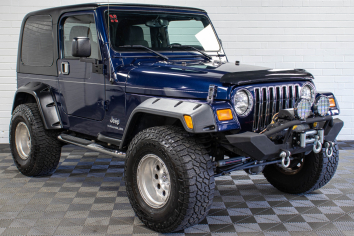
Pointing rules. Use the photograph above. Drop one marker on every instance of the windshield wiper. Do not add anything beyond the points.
(141, 46)
(186, 46)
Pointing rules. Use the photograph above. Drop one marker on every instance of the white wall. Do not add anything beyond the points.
(314, 35)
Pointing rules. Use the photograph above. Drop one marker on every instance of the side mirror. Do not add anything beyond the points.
(81, 47)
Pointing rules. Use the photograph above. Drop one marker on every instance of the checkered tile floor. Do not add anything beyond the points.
(86, 195)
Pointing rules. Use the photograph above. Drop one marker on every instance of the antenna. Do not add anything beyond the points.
(109, 47)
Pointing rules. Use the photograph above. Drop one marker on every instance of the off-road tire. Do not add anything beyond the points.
(317, 171)
(191, 174)
(45, 148)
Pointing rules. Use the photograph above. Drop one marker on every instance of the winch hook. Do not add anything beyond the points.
(329, 149)
(285, 158)
(317, 145)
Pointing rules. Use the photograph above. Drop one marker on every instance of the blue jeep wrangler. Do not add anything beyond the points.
(153, 85)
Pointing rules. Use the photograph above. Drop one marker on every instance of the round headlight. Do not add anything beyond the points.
(322, 105)
(308, 92)
(243, 102)
(303, 109)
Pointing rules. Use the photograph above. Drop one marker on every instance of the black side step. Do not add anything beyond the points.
(110, 140)
(76, 139)
(90, 145)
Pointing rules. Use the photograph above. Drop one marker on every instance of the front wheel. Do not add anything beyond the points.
(169, 179)
(311, 172)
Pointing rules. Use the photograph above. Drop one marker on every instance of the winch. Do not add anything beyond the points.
(315, 137)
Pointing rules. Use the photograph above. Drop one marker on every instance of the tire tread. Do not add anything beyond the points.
(322, 171)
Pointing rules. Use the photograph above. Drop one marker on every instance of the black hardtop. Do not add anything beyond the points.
(56, 13)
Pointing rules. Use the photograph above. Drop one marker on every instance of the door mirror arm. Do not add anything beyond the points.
(81, 48)
(97, 65)
(91, 60)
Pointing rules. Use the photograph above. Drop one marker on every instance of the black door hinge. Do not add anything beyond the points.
(106, 105)
(97, 68)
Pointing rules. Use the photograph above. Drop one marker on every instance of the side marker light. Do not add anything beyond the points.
(188, 120)
(332, 103)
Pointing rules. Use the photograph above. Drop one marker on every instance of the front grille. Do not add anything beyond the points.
(269, 100)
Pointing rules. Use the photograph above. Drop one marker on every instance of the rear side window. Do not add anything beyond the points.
(37, 41)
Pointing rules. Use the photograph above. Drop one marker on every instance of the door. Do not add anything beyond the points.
(81, 85)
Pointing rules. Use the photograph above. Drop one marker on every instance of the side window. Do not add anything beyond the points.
(80, 26)
(37, 41)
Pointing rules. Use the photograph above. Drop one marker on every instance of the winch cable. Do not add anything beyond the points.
(273, 121)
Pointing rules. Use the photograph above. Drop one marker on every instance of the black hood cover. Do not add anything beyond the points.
(267, 75)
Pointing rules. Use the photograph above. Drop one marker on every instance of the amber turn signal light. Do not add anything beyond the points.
(332, 103)
(188, 120)
(224, 114)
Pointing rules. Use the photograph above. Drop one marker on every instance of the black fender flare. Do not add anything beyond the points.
(46, 102)
(202, 114)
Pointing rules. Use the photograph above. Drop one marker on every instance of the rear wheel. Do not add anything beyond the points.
(35, 150)
(309, 173)
(169, 179)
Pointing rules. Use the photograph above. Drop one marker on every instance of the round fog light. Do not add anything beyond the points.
(303, 109)
(322, 105)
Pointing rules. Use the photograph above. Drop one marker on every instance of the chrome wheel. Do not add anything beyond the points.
(153, 181)
(23, 140)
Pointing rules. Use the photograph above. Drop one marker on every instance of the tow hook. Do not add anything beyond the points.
(317, 145)
(285, 158)
(329, 149)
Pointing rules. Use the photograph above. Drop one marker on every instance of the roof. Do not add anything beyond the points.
(90, 6)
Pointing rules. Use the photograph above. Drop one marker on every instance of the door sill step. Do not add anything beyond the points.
(107, 139)
(90, 145)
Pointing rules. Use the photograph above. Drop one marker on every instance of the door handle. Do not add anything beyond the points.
(65, 68)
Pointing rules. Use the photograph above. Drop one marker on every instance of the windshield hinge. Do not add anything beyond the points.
(212, 93)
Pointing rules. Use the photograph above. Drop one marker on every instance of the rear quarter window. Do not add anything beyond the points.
(37, 41)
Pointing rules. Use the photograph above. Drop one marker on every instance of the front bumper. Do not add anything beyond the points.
(260, 147)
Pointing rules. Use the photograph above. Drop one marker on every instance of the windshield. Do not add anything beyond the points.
(161, 31)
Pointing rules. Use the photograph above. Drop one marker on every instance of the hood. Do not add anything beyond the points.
(192, 81)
